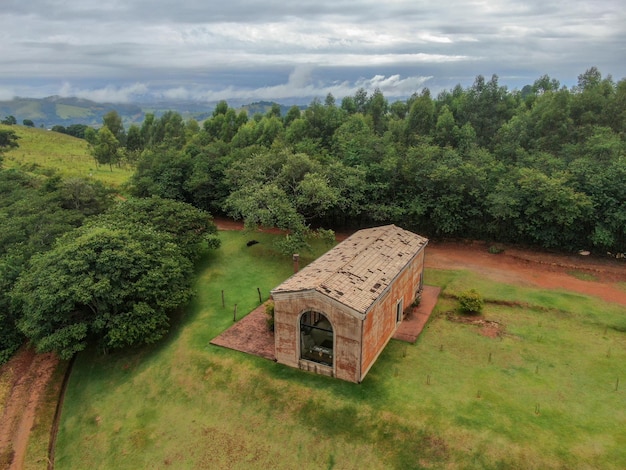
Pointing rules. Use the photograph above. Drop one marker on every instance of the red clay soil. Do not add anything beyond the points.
(538, 269)
(250, 335)
(31, 373)
(413, 324)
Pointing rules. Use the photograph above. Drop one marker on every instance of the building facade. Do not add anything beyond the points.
(335, 316)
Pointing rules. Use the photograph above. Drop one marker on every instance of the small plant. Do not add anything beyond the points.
(269, 311)
(470, 301)
(496, 249)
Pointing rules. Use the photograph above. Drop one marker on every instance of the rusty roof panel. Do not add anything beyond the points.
(359, 269)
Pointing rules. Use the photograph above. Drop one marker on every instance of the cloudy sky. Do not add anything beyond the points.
(207, 50)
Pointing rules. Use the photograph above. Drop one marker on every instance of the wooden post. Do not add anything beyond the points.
(235, 313)
(260, 299)
(223, 305)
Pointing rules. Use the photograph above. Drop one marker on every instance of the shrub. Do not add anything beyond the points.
(470, 301)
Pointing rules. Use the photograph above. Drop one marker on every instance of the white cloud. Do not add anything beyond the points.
(107, 94)
(191, 48)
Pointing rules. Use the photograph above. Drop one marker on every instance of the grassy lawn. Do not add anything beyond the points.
(40, 149)
(541, 396)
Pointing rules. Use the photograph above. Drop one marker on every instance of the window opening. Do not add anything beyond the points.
(399, 311)
(316, 338)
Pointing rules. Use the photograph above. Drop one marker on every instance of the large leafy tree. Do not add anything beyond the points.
(188, 225)
(110, 286)
(32, 216)
(282, 190)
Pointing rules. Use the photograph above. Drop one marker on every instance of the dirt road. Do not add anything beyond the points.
(28, 376)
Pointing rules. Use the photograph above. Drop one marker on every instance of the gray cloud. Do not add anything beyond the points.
(122, 50)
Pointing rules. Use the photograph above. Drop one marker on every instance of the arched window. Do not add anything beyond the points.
(316, 338)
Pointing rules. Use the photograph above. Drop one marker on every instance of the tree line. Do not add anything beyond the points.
(542, 166)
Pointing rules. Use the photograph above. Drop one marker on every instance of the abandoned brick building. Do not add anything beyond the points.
(336, 315)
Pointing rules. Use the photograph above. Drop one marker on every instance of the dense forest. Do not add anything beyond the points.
(542, 166)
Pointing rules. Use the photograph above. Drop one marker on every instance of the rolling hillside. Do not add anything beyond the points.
(41, 150)
(55, 110)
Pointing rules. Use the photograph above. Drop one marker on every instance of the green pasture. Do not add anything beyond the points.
(543, 395)
(40, 150)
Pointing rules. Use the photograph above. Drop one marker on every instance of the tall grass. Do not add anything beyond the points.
(541, 396)
(41, 150)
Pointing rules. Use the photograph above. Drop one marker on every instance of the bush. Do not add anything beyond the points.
(470, 301)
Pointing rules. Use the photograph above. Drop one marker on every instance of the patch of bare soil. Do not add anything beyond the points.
(250, 335)
(30, 374)
(516, 265)
(488, 328)
(544, 270)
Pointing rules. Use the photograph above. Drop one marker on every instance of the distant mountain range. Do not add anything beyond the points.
(57, 110)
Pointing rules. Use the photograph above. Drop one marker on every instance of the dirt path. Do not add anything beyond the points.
(30, 373)
(545, 270)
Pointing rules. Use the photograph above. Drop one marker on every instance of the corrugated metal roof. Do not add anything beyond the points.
(359, 269)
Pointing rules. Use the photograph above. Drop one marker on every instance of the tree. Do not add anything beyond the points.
(377, 107)
(292, 114)
(86, 196)
(282, 190)
(355, 142)
(421, 117)
(113, 121)
(8, 140)
(9, 121)
(76, 130)
(168, 131)
(541, 209)
(110, 286)
(206, 184)
(106, 149)
(134, 142)
(33, 214)
(162, 172)
(28, 123)
(187, 225)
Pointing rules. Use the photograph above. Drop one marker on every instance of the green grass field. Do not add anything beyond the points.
(41, 150)
(544, 395)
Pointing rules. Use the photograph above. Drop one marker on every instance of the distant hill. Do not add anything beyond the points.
(56, 110)
(262, 107)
